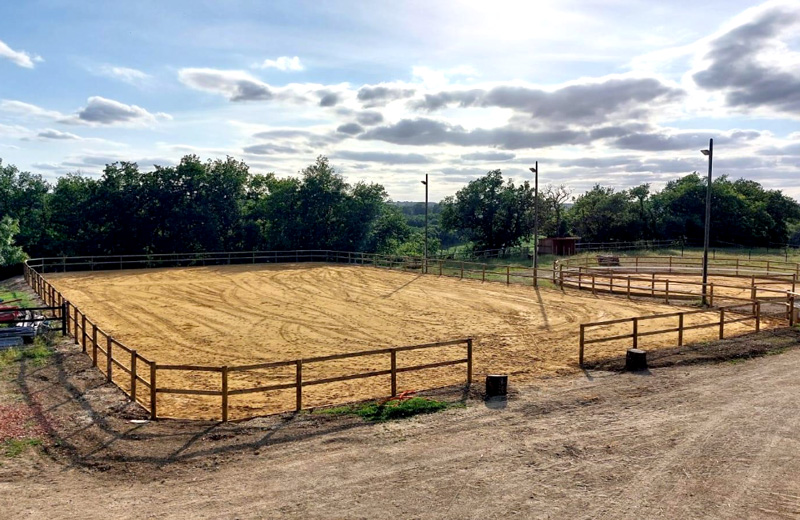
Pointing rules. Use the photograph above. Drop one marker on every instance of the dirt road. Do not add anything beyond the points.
(244, 314)
(701, 441)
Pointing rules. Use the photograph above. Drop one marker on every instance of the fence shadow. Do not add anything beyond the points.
(87, 422)
(750, 345)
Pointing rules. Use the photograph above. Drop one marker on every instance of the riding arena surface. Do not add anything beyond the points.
(246, 314)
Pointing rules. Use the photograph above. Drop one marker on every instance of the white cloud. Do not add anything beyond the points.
(21, 58)
(20, 108)
(236, 85)
(284, 63)
(126, 74)
(103, 111)
(50, 133)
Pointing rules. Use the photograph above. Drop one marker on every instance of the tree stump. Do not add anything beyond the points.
(635, 360)
(496, 385)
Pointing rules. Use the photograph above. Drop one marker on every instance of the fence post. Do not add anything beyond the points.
(758, 316)
(653, 285)
(83, 332)
(580, 349)
(462, 269)
(794, 282)
(593, 282)
(680, 329)
(225, 394)
(791, 311)
(561, 276)
(298, 382)
(629, 287)
(469, 361)
(753, 288)
(94, 346)
(483, 273)
(393, 354)
(109, 343)
(75, 319)
(440, 267)
(722, 323)
(133, 376)
(508, 275)
(153, 390)
(711, 294)
(635, 332)
(64, 317)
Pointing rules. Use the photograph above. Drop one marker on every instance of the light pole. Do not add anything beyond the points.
(425, 256)
(710, 154)
(535, 171)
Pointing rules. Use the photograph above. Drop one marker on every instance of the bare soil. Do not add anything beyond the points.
(717, 440)
(245, 314)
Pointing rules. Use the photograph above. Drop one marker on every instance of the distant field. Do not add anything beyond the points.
(244, 314)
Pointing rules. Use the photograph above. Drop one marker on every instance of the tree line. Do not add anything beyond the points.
(197, 206)
(221, 206)
(493, 213)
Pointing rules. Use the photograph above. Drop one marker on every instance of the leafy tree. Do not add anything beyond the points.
(23, 197)
(491, 213)
(604, 215)
(10, 254)
(554, 199)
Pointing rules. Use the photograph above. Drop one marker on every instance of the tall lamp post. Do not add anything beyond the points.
(710, 154)
(425, 256)
(535, 171)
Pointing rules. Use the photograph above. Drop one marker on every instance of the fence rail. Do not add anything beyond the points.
(752, 311)
(735, 266)
(111, 356)
(611, 282)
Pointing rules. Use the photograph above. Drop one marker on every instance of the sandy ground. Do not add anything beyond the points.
(235, 315)
(696, 441)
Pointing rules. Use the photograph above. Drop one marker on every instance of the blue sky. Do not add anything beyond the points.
(612, 92)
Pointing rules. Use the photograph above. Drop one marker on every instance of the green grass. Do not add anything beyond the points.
(36, 353)
(7, 295)
(376, 412)
(15, 447)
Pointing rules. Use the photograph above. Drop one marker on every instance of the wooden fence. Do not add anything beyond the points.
(487, 272)
(751, 309)
(689, 264)
(607, 281)
(131, 371)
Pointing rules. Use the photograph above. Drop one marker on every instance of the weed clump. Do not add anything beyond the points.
(391, 410)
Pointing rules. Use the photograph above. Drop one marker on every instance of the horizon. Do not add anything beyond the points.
(617, 94)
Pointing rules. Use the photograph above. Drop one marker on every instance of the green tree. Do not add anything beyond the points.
(10, 253)
(604, 215)
(491, 213)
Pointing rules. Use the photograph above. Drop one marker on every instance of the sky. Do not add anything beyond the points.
(615, 92)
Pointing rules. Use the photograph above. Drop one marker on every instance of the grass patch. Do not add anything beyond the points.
(36, 353)
(24, 297)
(381, 412)
(776, 351)
(14, 447)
